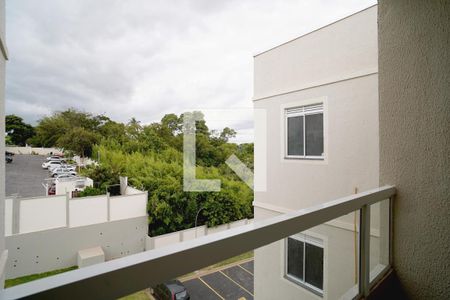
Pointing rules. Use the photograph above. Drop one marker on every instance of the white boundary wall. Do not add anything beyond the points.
(131, 190)
(38, 214)
(127, 206)
(33, 150)
(88, 210)
(42, 213)
(189, 234)
(47, 250)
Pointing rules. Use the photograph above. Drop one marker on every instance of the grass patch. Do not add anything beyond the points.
(142, 295)
(28, 278)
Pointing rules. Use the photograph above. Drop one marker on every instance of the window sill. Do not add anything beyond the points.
(322, 158)
(306, 286)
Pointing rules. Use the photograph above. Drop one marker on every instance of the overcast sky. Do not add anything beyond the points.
(144, 59)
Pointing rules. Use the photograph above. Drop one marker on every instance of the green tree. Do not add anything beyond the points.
(91, 191)
(151, 157)
(79, 140)
(18, 131)
(227, 133)
(50, 129)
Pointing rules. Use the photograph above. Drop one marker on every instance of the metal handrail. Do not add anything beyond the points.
(123, 276)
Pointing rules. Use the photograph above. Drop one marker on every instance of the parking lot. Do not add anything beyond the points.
(24, 176)
(235, 282)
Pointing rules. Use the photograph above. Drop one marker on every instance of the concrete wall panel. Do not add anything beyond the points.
(42, 213)
(88, 210)
(48, 250)
(128, 206)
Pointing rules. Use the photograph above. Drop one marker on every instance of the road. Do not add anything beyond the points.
(25, 176)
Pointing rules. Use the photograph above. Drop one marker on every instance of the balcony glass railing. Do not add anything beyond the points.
(336, 250)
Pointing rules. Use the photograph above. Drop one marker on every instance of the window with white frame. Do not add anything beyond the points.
(304, 132)
(304, 262)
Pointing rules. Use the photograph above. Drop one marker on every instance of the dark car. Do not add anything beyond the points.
(172, 290)
(8, 157)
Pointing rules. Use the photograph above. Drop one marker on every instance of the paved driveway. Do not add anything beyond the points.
(25, 176)
(234, 283)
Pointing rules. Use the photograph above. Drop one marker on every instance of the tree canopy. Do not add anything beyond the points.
(151, 156)
(18, 132)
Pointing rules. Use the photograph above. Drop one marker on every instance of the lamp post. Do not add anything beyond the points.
(196, 217)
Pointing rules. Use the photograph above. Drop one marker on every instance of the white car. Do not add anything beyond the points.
(62, 170)
(62, 165)
(70, 167)
(54, 157)
(65, 175)
(51, 164)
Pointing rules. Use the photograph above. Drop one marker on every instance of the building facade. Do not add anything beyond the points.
(320, 94)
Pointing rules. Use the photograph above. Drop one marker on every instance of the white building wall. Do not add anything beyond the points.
(344, 49)
(351, 136)
(64, 185)
(336, 65)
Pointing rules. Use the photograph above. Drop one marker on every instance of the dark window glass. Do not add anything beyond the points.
(314, 134)
(295, 135)
(295, 258)
(314, 265)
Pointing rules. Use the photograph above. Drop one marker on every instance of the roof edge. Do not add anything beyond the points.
(308, 33)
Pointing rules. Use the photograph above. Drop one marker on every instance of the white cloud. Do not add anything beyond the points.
(146, 58)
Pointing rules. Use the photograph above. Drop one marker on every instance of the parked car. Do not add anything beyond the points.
(61, 170)
(8, 157)
(50, 164)
(172, 290)
(54, 157)
(70, 167)
(64, 175)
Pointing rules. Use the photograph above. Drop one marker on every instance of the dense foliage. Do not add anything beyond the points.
(70, 129)
(18, 132)
(151, 157)
(90, 191)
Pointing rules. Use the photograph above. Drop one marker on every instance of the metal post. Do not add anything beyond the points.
(364, 250)
(196, 217)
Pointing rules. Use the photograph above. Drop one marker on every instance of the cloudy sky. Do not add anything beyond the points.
(144, 59)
